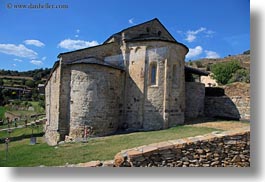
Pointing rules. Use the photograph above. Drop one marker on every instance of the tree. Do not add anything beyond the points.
(223, 72)
(30, 83)
(1, 82)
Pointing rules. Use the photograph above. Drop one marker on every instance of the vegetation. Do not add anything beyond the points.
(229, 72)
(21, 132)
(23, 154)
(2, 112)
(37, 74)
(246, 52)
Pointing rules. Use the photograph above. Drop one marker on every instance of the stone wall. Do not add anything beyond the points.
(218, 149)
(239, 93)
(220, 107)
(52, 93)
(154, 106)
(95, 100)
(233, 104)
(194, 96)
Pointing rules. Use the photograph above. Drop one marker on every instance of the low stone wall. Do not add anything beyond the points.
(217, 149)
(229, 148)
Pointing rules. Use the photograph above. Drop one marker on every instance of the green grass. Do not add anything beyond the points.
(2, 112)
(21, 132)
(105, 148)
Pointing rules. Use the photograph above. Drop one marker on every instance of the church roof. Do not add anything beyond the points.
(93, 60)
(138, 25)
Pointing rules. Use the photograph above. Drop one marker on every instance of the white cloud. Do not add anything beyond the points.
(194, 52)
(190, 38)
(70, 44)
(192, 35)
(14, 65)
(211, 54)
(44, 58)
(17, 60)
(34, 42)
(77, 30)
(76, 36)
(18, 50)
(131, 21)
(36, 62)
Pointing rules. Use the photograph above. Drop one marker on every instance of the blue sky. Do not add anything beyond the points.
(33, 37)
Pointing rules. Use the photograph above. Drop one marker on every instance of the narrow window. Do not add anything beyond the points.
(153, 73)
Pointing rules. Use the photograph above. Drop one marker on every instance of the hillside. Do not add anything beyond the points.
(230, 69)
(205, 63)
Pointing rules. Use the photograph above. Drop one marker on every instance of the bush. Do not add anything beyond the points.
(30, 83)
(241, 75)
(223, 72)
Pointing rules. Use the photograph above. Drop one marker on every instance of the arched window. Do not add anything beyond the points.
(153, 73)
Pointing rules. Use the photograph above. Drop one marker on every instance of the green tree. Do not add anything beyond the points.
(223, 72)
(1, 82)
(30, 83)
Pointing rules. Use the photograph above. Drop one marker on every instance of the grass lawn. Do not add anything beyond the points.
(104, 148)
(2, 112)
(21, 132)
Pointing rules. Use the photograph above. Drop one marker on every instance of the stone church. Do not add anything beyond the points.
(135, 80)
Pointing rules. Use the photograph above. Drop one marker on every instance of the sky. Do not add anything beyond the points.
(33, 33)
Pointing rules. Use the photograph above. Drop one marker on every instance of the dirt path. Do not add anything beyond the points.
(223, 125)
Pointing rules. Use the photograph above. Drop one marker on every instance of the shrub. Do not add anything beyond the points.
(223, 72)
(241, 75)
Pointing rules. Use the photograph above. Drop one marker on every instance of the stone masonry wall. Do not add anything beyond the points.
(153, 107)
(239, 93)
(95, 100)
(234, 104)
(218, 149)
(220, 107)
(194, 95)
(52, 107)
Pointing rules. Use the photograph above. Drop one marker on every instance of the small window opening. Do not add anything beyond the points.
(153, 73)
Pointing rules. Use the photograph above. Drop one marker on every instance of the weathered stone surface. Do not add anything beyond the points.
(211, 151)
(109, 163)
(118, 160)
(194, 94)
(90, 164)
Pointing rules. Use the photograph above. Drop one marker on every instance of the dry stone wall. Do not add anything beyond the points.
(224, 149)
(217, 149)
